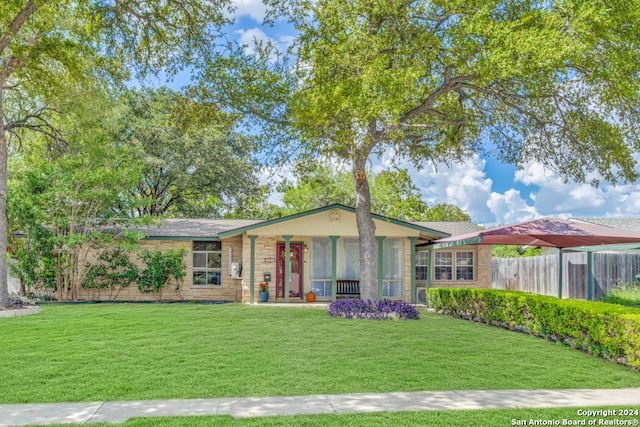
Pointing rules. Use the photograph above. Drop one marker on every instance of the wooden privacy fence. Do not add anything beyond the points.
(539, 275)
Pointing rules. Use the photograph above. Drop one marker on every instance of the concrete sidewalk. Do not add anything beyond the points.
(118, 412)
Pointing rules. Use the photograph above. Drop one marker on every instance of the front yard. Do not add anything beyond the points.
(163, 351)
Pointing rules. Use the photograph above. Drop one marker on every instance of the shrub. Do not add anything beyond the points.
(385, 309)
(18, 300)
(623, 293)
(607, 330)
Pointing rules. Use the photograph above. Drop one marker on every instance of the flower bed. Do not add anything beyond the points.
(607, 330)
(378, 310)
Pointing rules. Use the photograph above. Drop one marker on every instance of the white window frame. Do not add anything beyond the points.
(206, 270)
(422, 265)
(461, 263)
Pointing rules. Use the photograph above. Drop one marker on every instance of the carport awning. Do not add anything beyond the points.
(549, 232)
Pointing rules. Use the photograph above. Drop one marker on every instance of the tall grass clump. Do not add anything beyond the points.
(623, 293)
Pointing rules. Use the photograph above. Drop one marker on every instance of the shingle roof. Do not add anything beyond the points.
(194, 228)
(632, 224)
(189, 228)
(454, 228)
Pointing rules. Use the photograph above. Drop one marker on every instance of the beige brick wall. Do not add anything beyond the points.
(238, 289)
(265, 247)
(482, 270)
(229, 290)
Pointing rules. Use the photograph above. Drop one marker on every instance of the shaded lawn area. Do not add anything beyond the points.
(470, 418)
(170, 351)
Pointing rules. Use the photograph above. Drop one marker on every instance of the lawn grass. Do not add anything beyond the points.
(174, 351)
(467, 418)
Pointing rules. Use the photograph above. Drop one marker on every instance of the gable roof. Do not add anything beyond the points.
(336, 206)
(214, 229)
(632, 224)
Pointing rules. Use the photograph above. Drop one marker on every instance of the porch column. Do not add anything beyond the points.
(252, 274)
(380, 264)
(429, 266)
(334, 266)
(287, 266)
(412, 248)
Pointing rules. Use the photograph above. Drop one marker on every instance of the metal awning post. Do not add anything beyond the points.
(590, 276)
(560, 272)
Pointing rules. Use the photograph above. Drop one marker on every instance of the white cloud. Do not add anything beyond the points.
(464, 185)
(252, 8)
(509, 207)
(251, 37)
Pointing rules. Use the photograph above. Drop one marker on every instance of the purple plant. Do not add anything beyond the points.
(360, 309)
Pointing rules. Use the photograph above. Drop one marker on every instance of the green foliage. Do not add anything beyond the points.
(511, 251)
(61, 199)
(52, 50)
(548, 81)
(194, 163)
(113, 270)
(392, 193)
(604, 329)
(160, 268)
(623, 293)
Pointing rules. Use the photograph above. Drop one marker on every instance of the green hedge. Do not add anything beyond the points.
(607, 330)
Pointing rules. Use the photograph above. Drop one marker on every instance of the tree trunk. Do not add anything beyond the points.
(4, 286)
(366, 231)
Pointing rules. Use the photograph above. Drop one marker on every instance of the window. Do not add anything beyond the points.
(321, 267)
(443, 263)
(464, 265)
(350, 259)
(392, 268)
(446, 263)
(207, 263)
(422, 261)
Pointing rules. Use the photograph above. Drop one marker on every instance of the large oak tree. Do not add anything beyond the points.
(550, 81)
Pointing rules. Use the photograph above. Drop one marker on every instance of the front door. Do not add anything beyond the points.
(295, 257)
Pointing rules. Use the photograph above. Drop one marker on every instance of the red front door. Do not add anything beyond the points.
(295, 257)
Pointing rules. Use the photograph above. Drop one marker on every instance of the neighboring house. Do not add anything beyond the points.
(632, 224)
(227, 259)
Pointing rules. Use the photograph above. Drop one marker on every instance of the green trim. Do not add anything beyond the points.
(334, 266)
(287, 267)
(252, 274)
(471, 241)
(412, 270)
(380, 264)
(560, 266)
(329, 208)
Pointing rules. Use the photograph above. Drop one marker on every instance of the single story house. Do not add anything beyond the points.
(227, 259)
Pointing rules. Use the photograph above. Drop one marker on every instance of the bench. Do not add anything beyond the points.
(347, 289)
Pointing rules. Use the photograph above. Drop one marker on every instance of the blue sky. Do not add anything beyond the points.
(491, 192)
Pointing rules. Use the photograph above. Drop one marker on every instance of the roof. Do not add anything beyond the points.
(338, 206)
(188, 229)
(453, 228)
(632, 224)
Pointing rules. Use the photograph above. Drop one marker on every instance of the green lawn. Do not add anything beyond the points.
(162, 351)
